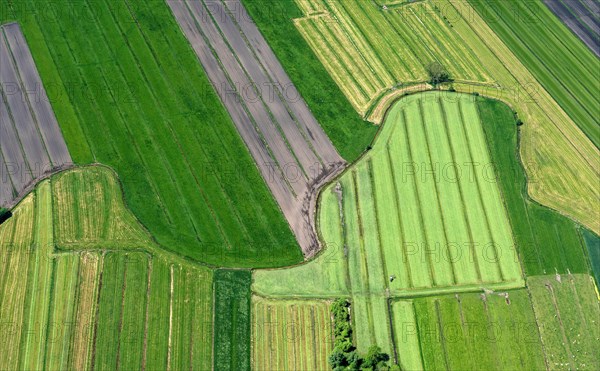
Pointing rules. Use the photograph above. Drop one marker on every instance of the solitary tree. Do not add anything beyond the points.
(437, 73)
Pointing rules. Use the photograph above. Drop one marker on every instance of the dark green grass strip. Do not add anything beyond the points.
(546, 241)
(348, 132)
(553, 54)
(593, 246)
(232, 320)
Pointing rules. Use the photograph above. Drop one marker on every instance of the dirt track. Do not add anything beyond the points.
(31, 143)
(293, 153)
(582, 17)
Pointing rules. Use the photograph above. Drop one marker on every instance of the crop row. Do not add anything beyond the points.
(157, 133)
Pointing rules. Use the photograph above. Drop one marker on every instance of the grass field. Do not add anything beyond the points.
(374, 54)
(324, 97)
(96, 308)
(473, 332)
(567, 310)
(290, 335)
(125, 70)
(592, 243)
(232, 350)
(547, 241)
(557, 58)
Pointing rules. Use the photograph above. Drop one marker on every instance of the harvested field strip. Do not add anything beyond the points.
(406, 336)
(293, 335)
(61, 315)
(33, 342)
(232, 321)
(567, 311)
(32, 144)
(501, 332)
(80, 196)
(581, 19)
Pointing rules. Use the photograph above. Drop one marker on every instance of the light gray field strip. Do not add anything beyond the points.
(581, 17)
(292, 151)
(51, 134)
(31, 142)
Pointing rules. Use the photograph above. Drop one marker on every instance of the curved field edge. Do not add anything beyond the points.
(191, 183)
(559, 249)
(63, 313)
(554, 149)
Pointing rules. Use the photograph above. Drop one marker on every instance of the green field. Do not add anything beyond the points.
(556, 57)
(547, 241)
(442, 231)
(232, 320)
(92, 307)
(119, 75)
(290, 334)
(474, 332)
(592, 243)
(377, 55)
(567, 308)
(347, 131)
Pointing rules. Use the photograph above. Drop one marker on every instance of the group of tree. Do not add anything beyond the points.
(345, 356)
(4, 214)
(437, 73)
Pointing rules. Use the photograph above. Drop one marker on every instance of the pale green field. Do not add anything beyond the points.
(568, 313)
(437, 234)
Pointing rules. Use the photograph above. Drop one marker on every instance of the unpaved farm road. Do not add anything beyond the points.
(293, 153)
(31, 143)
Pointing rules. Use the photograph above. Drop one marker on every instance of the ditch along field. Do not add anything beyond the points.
(567, 309)
(592, 243)
(377, 55)
(97, 308)
(372, 237)
(291, 334)
(121, 74)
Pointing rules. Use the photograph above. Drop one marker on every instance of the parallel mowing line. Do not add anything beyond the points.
(167, 166)
(150, 180)
(398, 58)
(351, 36)
(363, 259)
(156, 60)
(441, 330)
(399, 28)
(96, 317)
(437, 190)
(377, 223)
(271, 78)
(419, 204)
(342, 62)
(272, 118)
(461, 192)
(396, 197)
(248, 114)
(487, 221)
(168, 124)
(366, 80)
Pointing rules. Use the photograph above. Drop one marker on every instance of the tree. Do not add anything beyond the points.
(437, 73)
(337, 359)
(375, 358)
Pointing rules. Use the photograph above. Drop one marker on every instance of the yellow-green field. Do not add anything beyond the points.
(290, 334)
(374, 54)
(95, 306)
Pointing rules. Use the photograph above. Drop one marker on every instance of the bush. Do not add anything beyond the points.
(4, 214)
(520, 122)
(437, 73)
